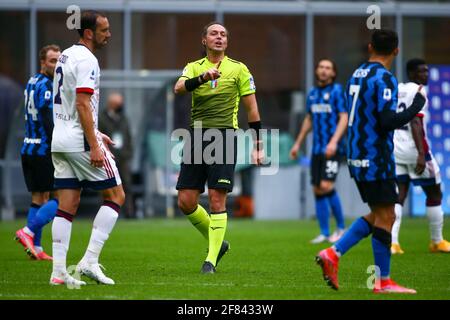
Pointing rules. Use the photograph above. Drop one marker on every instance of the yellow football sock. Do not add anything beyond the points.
(200, 219)
(217, 228)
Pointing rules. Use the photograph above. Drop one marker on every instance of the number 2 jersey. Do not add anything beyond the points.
(405, 149)
(371, 90)
(76, 71)
(38, 116)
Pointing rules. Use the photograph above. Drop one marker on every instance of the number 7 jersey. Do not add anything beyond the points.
(77, 71)
(371, 90)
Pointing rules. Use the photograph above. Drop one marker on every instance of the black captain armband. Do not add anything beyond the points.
(256, 127)
(194, 83)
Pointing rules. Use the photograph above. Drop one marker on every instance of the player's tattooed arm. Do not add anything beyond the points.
(83, 104)
(306, 128)
(418, 137)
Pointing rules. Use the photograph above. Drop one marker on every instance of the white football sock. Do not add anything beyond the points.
(103, 224)
(398, 220)
(61, 231)
(28, 231)
(436, 220)
(336, 251)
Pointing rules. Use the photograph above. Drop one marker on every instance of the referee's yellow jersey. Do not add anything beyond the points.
(216, 103)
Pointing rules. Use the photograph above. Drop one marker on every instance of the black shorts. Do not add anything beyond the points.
(323, 168)
(217, 171)
(378, 192)
(38, 172)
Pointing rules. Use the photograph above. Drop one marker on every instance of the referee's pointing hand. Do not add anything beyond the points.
(211, 74)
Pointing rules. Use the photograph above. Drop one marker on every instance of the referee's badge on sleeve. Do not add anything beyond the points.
(252, 84)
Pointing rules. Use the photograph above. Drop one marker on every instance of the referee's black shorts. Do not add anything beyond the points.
(38, 172)
(217, 171)
(378, 192)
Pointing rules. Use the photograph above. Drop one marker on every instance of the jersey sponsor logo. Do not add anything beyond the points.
(361, 73)
(61, 116)
(321, 108)
(365, 163)
(32, 140)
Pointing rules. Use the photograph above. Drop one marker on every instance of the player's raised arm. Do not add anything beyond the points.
(391, 120)
(83, 104)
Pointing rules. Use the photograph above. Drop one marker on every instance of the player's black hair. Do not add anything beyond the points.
(333, 64)
(89, 20)
(384, 41)
(413, 64)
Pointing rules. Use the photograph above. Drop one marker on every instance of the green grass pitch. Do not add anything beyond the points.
(161, 259)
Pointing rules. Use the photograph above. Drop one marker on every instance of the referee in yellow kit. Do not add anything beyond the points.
(217, 84)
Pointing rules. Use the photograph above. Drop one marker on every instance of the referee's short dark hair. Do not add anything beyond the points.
(89, 20)
(384, 41)
(413, 64)
(205, 28)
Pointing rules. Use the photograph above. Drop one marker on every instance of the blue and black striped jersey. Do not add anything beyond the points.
(38, 116)
(370, 91)
(324, 105)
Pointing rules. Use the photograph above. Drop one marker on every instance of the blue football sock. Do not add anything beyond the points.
(336, 208)
(357, 231)
(381, 245)
(43, 216)
(323, 215)
(32, 212)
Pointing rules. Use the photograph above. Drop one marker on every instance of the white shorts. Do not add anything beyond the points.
(430, 176)
(73, 170)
